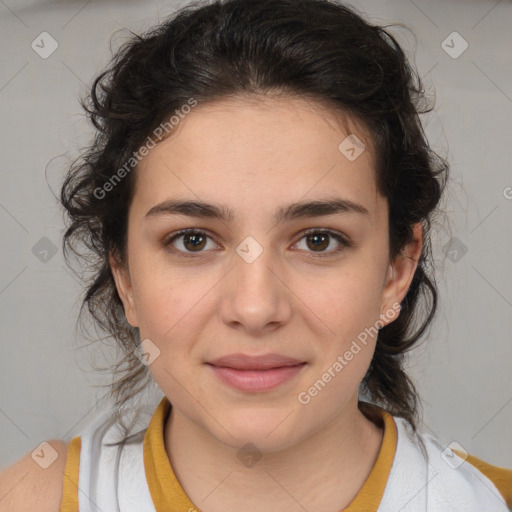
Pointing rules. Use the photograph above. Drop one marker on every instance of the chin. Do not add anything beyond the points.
(262, 427)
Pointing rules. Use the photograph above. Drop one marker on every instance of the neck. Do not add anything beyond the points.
(323, 472)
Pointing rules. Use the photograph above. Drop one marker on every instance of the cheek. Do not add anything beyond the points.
(157, 297)
(347, 302)
(170, 303)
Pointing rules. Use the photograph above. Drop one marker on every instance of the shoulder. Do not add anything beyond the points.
(445, 477)
(499, 476)
(35, 481)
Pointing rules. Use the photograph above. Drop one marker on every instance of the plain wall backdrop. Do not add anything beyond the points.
(462, 49)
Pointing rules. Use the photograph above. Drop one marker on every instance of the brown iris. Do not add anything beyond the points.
(197, 241)
(316, 237)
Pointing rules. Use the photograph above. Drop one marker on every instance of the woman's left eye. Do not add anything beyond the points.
(195, 240)
(320, 239)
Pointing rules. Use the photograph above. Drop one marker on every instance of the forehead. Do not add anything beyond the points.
(264, 150)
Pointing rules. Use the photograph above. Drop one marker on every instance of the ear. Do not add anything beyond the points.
(400, 275)
(124, 289)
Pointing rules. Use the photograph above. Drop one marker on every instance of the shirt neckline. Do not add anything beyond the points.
(167, 493)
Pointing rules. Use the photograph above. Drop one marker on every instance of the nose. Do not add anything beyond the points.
(255, 294)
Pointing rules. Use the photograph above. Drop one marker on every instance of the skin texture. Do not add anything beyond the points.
(256, 156)
(26, 486)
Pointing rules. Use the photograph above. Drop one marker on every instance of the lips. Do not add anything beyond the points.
(247, 362)
(255, 373)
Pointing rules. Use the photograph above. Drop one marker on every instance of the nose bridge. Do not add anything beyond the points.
(254, 293)
(253, 265)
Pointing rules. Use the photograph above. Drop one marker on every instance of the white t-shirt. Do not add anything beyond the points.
(137, 476)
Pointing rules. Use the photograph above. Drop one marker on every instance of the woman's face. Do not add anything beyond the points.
(254, 282)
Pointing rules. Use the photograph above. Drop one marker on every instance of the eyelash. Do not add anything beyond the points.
(344, 243)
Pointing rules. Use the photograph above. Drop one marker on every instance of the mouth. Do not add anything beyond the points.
(255, 373)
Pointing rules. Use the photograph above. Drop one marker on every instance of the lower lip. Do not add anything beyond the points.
(256, 380)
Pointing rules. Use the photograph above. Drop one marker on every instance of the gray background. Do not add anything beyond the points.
(48, 387)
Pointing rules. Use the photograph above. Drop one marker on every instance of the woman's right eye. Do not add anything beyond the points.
(191, 241)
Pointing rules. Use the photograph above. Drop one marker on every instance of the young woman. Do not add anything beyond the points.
(257, 202)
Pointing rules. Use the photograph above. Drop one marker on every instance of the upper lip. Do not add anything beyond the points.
(246, 362)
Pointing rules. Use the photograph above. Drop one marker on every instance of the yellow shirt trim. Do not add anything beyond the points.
(69, 501)
(166, 492)
(169, 496)
(500, 477)
(370, 495)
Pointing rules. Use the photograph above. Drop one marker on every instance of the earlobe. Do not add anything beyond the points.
(401, 272)
(124, 288)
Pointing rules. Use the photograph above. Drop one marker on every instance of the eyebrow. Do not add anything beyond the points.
(290, 212)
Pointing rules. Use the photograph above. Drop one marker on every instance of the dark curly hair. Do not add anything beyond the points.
(316, 49)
